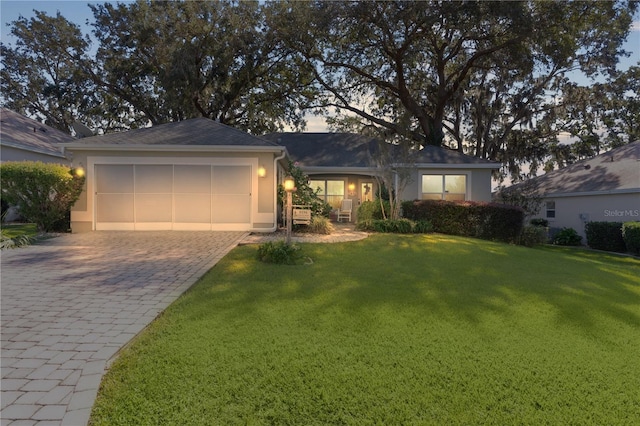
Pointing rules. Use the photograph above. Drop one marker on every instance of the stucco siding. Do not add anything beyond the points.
(478, 182)
(575, 211)
(9, 153)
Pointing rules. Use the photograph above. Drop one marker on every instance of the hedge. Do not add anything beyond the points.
(490, 221)
(605, 236)
(44, 193)
(631, 236)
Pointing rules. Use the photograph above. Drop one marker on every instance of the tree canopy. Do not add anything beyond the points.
(490, 79)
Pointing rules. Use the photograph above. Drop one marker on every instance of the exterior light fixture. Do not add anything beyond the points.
(289, 184)
(289, 187)
(262, 172)
(352, 189)
(78, 171)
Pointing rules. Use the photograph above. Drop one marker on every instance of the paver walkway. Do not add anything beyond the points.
(70, 303)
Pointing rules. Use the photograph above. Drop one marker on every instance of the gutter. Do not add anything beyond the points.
(275, 192)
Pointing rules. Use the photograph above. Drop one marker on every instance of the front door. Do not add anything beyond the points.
(366, 190)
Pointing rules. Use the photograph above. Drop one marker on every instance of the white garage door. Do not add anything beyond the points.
(172, 196)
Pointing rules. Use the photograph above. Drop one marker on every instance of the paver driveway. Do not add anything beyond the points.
(70, 303)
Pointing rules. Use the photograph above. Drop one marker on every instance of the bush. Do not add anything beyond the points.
(44, 193)
(631, 236)
(567, 237)
(304, 195)
(7, 242)
(400, 226)
(371, 210)
(605, 236)
(279, 252)
(318, 225)
(422, 227)
(539, 222)
(533, 235)
(489, 221)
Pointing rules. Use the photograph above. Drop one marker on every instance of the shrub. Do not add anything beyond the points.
(44, 193)
(304, 195)
(370, 210)
(7, 242)
(533, 235)
(318, 225)
(279, 252)
(605, 236)
(422, 227)
(472, 219)
(631, 236)
(539, 222)
(567, 237)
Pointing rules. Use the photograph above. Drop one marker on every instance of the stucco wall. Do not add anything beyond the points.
(9, 153)
(478, 183)
(575, 211)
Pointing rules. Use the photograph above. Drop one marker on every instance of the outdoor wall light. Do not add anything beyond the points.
(78, 171)
(289, 184)
(262, 172)
(289, 187)
(352, 189)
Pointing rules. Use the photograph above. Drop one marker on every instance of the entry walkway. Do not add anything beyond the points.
(71, 302)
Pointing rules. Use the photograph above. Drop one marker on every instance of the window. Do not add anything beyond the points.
(444, 187)
(551, 209)
(331, 191)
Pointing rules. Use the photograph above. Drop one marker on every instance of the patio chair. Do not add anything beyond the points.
(345, 210)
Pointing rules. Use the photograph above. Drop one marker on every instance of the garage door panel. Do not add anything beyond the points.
(193, 208)
(231, 208)
(153, 207)
(114, 178)
(192, 179)
(153, 179)
(231, 180)
(115, 208)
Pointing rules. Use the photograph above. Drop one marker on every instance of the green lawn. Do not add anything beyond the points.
(392, 330)
(18, 230)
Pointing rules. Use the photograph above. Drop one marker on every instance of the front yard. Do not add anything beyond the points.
(395, 329)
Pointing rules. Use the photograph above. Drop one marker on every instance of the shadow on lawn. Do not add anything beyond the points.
(458, 279)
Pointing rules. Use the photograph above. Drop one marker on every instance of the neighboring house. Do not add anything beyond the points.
(189, 175)
(24, 139)
(343, 166)
(603, 188)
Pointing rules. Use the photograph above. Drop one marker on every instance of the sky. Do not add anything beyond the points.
(78, 11)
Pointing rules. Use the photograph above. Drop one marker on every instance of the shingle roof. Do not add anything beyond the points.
(195, 131)
(615, 170)
(354, 150)
(326, 149)
(25, 133)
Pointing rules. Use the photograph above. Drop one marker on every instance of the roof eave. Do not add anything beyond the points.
(491, 166)
(34, 149)
(591, 193)
(171, 148)
(341, 170)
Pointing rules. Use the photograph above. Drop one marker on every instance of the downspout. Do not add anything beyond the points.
(275, 192)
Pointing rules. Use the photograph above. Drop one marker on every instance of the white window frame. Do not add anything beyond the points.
(444, 192)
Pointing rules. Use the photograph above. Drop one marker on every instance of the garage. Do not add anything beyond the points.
(172, 196)
(193, 175)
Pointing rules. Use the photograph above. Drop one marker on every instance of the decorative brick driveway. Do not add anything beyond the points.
(70, 303)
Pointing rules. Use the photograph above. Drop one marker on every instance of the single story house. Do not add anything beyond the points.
(198, 174)
(605, 188)
(25, 139)
(341, 165)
